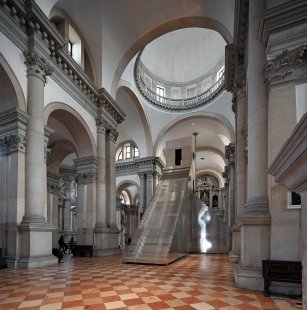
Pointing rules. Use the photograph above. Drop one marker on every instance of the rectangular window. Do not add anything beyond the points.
(128, 151)
(136, 152)
(220, 73)
(190, 92)
(178, 157)
(70, 48)
(294, 200)
(160, 93)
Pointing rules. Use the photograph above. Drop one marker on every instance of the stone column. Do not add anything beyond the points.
(86, 205)
(240, 103)
(53, 205)
(66, 209)
(101, 212)
(226, 194)
(149, 187)
(111, 138)
(111, 238)
(35, 233)
(155, 180)
(142, 177)
(106, 242)
(230, 155)
(255, 221)
(12, 180)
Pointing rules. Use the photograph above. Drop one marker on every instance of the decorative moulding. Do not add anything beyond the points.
(290, 165)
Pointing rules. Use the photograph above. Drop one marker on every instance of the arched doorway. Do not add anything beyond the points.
(128, 217)
(71, 173)
(13, 124)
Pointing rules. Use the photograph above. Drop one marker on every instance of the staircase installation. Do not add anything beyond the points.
(163, 236)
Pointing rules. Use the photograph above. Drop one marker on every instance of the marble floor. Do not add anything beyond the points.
(200, 282)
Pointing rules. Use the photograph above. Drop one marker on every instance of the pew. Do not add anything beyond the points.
(280, 271)
(82, 250)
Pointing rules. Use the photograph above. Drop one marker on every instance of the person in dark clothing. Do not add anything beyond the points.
(61, 244)
(129, 240)
(71, 243)
(58, 254)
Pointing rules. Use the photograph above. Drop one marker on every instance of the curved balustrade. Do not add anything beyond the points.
(177, 104)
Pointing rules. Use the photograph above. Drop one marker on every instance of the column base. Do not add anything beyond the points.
(249, 278)
(35, 244)
(85, 236)
(255, 247)
(235, 254)
(106, 241)
(234, 258)
(39, 261)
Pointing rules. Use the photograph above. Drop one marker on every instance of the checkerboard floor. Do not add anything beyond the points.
(200, 282)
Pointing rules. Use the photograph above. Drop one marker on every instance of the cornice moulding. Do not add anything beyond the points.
(149, 164)
(281, 17)
(27, 27)
(290, 164)
(241, 26)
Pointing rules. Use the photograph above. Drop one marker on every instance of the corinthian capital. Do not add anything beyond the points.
(287, 66)
(37, 65)
(112, 134)
(101, 124)
(13, 143)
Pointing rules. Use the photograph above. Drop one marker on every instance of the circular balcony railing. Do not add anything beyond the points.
(172, 104)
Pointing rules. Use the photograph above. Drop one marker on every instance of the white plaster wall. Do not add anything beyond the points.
(46, 5)
(129, 27)
(282, 117)
(285, 223)
(15, 59)
(301, 100)
(158, 119)
(54, 93)
(184, 55)
(132, 128)
(117, 26)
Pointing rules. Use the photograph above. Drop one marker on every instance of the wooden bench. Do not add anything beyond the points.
(280, 271)
(82, 250)
(2, 261)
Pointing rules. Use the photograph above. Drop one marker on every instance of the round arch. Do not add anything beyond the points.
(13, 87)
(222, 120)
(136, 101)
(122, 185)
(212, 173)
(82, 133)
(187, 22)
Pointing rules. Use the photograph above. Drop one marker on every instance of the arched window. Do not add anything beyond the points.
(127, 151)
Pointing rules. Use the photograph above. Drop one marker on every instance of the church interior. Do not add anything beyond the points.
(153, 154)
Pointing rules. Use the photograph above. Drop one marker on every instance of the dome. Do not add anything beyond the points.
(184, 55)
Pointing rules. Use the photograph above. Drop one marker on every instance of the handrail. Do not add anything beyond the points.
(177, 104)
